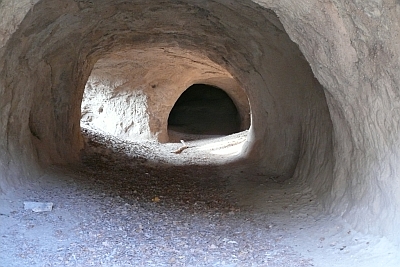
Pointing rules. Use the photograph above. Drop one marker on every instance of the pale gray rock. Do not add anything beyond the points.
(321, 79)
(38, 206)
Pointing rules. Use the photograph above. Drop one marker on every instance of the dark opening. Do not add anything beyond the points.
(205, 110)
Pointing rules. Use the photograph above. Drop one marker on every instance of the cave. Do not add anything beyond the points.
(130, 92)
(204, 110)
(315, 87)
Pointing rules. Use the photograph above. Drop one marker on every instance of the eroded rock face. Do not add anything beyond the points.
(353, 49)
(338, 134)
(113, 109)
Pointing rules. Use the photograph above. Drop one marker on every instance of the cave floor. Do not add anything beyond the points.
(140, 204)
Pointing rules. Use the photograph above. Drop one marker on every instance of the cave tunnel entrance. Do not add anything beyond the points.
(205, 110)
(118, 101)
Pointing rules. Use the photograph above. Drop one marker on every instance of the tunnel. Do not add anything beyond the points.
(130, 92)
(314, 82)
(205, 110)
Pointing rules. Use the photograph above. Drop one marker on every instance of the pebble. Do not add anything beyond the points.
(38, 206)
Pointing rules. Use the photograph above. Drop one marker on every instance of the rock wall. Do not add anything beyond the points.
(353, 50)
(337, 133)
(113, 108)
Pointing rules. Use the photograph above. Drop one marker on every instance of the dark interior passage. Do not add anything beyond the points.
(204, 109)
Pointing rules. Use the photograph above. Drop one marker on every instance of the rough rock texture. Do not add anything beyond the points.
(107, 107)
(339, 134)
(353, 49)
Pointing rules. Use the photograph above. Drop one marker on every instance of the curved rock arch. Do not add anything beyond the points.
(340, 138)
(139, 87)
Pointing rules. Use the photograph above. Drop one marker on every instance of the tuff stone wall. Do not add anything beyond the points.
(337, 132)
(353, 50)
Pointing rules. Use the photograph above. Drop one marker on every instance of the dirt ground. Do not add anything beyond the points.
(140, 204)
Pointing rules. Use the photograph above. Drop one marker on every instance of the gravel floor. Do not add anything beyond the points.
(131, 204)
(117, 210)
